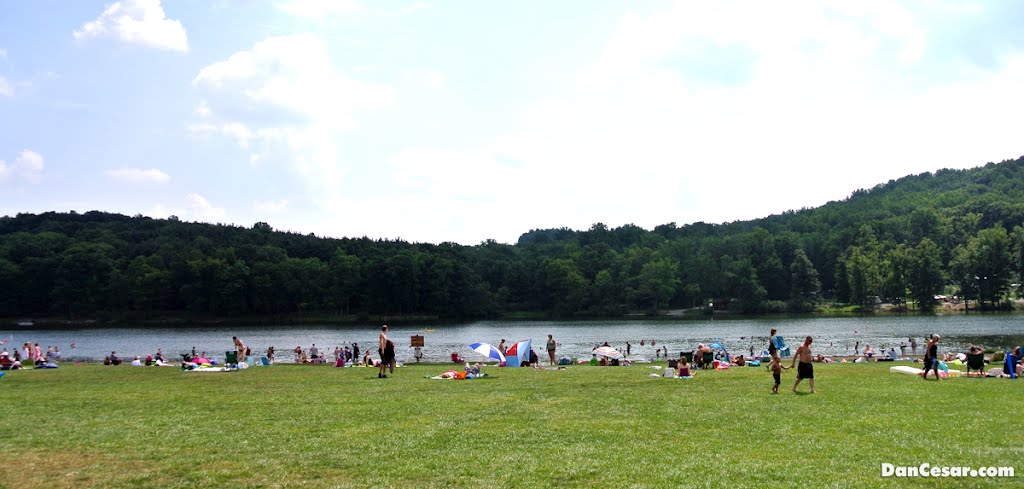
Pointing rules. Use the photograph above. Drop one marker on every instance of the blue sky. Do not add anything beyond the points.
(463, 121)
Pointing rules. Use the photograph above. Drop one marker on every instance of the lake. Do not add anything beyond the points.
(575, 338)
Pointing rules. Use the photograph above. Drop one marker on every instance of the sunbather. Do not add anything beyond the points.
(684, 367)
(868, 351)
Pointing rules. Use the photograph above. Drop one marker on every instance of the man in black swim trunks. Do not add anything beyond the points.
(806, 368)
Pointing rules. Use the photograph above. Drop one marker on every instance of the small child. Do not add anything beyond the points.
(776, 367)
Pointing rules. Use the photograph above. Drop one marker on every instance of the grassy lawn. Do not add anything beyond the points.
(317, 426)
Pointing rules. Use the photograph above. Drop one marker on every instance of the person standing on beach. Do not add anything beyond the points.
(806, 369)
(501, 346)
(776, 367)
(772, 350)
(387, 353)
(913, 346)
(240, 348)
(551, 349)
(627, 348)
(931, 357)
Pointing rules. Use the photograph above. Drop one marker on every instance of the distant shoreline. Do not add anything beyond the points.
(668, 315)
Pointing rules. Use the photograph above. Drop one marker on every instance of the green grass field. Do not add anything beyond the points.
(318, 426)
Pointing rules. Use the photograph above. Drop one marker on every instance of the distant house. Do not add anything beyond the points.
(722, 303)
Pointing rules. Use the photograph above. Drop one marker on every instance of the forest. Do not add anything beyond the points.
(954, 232)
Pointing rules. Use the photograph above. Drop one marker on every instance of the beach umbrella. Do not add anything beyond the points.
(518, 354)
(719, 346)
(607, 351)
(487, 350)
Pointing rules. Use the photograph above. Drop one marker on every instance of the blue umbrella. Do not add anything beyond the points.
(488, 351)
(718, 345)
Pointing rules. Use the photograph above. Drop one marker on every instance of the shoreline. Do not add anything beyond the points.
(23, 323)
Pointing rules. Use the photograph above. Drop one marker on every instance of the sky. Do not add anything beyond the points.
(465, 121)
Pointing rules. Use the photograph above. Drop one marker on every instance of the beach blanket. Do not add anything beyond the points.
(904, 369)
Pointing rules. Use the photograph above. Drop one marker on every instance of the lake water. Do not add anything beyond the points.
(575, 338)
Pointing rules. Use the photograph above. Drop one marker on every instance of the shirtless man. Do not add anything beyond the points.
(806, 369)
(240, 348)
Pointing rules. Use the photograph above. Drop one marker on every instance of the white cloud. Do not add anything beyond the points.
(293, 74)
(6, 88)
(203, 209)
(270, 206)
(137, 21)
(285, 92)
(3, 53)
(139, 175)
(28, 166)
(433, 80)
(239, 132)
(203, 109)
(159, 211)
(415, 7)
(318, 9)
(814, 101)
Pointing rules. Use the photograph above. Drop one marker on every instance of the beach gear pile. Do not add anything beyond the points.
(203, 364)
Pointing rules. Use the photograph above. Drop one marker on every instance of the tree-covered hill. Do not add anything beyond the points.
(909, 238)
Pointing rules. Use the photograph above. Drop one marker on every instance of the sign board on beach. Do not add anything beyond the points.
(417, 340)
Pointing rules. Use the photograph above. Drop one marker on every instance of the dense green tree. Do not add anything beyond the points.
(759, 247)
(345, 278)
(744, 284)
(605, 298)
(870, 244)
(894, 271)
(658, 281)
(1017, 254)
(564, 284)
(10, 278)
(982, 267)
(862, 274)
(82, 277)
(805, 283)
(925, 274)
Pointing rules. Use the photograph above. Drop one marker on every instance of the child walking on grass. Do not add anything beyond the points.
(776, 367)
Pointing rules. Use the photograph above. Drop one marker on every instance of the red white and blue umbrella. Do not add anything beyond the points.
(488, 351)
(607, 351)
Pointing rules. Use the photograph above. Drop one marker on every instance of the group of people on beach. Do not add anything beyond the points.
(31, 353)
